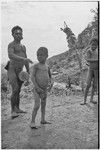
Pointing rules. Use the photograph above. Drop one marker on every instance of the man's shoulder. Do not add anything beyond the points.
(11, 44)
(36, 65)
(47, 66)
(23, 46)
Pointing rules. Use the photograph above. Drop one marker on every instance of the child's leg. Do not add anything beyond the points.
(92, 92)
(43, 106)
(96, 72)
(86, 92)
(36, 105)
(94, 86)
(89, 79)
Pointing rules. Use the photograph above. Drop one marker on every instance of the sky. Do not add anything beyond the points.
(41, 23)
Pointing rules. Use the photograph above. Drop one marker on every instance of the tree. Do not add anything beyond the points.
(83, 39)
(72, 43)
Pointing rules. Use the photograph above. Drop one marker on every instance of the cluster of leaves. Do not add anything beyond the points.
(89, 32)
(4, 82)
(4, 85)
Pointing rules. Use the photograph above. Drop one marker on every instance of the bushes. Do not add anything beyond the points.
(4, 82)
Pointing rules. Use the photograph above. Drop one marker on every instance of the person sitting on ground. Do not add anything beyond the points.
(18, 58)
(41, 77)
(92, 59)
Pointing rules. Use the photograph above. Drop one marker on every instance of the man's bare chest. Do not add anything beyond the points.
(19, 50)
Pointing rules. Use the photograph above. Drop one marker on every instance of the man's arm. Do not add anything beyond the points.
(26, 63)
(34, 70)
(49, 72)
(12, 55)
(15, 57)
(93, 60)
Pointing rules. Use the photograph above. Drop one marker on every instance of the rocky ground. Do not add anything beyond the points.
(73, 126)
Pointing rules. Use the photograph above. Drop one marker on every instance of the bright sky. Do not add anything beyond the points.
(41, 23)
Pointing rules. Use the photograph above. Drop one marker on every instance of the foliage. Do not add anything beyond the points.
(4, 81)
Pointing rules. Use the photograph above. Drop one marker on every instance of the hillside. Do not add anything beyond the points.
(73, 126)
(67, 63)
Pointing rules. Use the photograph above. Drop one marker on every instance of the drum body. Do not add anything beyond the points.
(23, 76)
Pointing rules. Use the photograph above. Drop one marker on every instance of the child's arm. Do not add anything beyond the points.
(35, 67)
(49, 72)
(51, 81)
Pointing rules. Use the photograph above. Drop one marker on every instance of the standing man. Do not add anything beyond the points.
(18, 58)
(92, 59)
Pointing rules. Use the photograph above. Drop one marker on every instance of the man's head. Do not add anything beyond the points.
(94, 43)
(42, 54)
(17, 33)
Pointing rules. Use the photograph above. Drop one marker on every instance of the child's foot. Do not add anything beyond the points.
(19, 111)
(45, 122)
(14, 115)
(94, 102)
(33, 126)
(84, 103)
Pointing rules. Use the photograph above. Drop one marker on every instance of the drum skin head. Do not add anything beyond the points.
(23, 76)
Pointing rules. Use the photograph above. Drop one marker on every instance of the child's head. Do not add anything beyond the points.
(94, 43)
(17, 33)
(42, 54)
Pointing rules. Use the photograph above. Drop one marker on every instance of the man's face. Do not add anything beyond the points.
(18, 36)
(94, 46)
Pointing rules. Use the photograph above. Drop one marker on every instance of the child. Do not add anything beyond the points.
(92, 59)
(41, 77)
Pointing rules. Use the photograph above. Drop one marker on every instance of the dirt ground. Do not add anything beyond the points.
(73, 126)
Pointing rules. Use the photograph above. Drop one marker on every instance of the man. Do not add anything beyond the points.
(18, 58)
(92, 59)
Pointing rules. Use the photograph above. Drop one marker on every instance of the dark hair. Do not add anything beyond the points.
(94, 40)
(43, 49)
(16, 28)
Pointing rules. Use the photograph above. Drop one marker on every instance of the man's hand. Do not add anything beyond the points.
(26, 83)
(28, 60)
(39, 90)
(28, 72)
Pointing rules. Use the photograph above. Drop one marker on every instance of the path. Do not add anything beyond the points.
(73, 126)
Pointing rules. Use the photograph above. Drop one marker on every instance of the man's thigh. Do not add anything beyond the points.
(89, 77)
(12, 79)
(96, 78)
